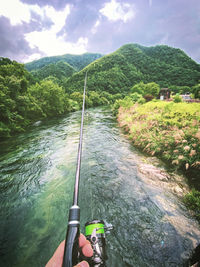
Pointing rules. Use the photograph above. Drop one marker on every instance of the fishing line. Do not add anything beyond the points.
(89, 178)
(94, 230)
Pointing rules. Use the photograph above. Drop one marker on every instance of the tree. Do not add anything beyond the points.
(138, 88)
(135, 97)
(143, 89)
(151, 89)
(196, 91)
(50, 97)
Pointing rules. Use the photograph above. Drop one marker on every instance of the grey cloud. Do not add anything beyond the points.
(82, 17)
(12, 42)
(181, 25)
(57, 4)
(38, 23)
(174, 23)
(12, 38)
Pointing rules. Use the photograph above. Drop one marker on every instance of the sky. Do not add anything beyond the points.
(32, 29)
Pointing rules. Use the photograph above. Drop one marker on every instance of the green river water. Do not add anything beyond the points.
(37, 170)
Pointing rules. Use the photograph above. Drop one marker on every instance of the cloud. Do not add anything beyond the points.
(115, 11)
(37, 31)
(50, 41)
(56, 4)
(150, 3)
(52, 45)
(17, 12)
(34, 28)
(12, 43)
(95, 27)
(81, 19)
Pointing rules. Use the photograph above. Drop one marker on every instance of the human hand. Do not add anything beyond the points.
(57, 258)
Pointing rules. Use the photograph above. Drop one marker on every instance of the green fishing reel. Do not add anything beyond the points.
(95, 232)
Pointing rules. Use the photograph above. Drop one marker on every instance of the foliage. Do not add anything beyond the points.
(22, 101)
(120, 71)
(180, 89)
(130, 74)
(50, 97)
(77, 62)
(14, 80)
(135, 96)
(166, 129)
(196, 91)
(152, 89)
(177, 98)
(59, 70)
(138, 88)
(192, 200)
(146, 89)
(127, 102)
(168, 54)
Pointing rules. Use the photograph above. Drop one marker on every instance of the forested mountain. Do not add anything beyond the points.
(119, 71)
(78, 62)
(60, 70)
(169, 55)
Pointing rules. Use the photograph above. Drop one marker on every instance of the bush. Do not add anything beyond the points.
(192, 201)
(167, 129)
(177, 98)
(125, 103)
(141, 100)
(146, 89)
(135, 96)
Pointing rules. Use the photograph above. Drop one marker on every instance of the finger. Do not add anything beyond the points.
(57, 257)
(82, 240)
(87, 249)
(82, 264)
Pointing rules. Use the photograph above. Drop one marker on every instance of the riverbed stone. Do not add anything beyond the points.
(153, 172)
(178, 190)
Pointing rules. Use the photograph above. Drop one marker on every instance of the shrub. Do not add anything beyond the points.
(177, 98)
(167, 129)
(135, 96)
(192, 201)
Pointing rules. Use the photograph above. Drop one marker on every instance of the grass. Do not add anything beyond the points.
(170, 131)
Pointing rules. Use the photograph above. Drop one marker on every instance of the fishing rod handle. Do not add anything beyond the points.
(71, 251)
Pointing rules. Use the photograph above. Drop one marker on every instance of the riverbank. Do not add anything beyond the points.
(169, 131)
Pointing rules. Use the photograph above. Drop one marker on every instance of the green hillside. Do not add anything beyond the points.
(169, 55)
(78, 62)
(119, 71)
(59, 70)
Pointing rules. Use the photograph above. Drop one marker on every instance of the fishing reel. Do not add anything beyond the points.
(95, 232)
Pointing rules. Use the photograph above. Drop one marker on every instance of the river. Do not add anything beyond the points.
(37, 170)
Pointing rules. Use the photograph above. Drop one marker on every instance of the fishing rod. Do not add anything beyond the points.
(94, 230)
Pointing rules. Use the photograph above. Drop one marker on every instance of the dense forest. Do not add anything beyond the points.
(60, 71)
(77, 62)
(53, 86)
(25, 98)
(119, 71)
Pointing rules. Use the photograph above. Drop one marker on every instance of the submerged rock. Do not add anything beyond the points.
(37, 123)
